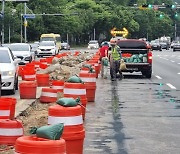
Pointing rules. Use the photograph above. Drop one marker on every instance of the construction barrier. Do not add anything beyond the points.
(74, 132)
(48, 95)
(5, 109)
(58, 85)
(35, 145)
(20, 70)
(9, 105)
(10, 130)
(29, 73)
(42, 80)
(43, 66)
(75, 90)
(90, 82)
(27, 89)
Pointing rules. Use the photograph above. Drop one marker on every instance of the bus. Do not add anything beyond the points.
(52, 37)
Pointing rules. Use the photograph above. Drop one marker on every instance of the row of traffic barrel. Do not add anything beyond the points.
(72, 139)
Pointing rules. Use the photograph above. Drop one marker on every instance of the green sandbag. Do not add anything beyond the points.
(105, 61)
(140, 56)
(87, 66)
(75, 79)
(68, 102)
(52, 132)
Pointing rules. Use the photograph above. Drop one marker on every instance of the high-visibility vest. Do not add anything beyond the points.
(115, 54)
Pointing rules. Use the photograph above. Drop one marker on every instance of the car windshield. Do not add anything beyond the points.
(19, 47)
(46, 43)
(4, 58)
(93, 42)
(132, 44)
(47, 39)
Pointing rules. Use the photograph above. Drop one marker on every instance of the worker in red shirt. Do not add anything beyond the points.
(103, 51)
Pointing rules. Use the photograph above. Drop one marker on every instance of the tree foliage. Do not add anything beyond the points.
(81, 18)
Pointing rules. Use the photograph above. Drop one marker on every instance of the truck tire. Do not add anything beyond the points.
(147, 73)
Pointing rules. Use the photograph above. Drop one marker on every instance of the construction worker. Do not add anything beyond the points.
(103, 51)
(115, 58)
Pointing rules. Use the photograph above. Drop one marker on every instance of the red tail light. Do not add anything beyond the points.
(150, 57)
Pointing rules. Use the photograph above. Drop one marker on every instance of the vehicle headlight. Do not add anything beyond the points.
(7, 73)
(52, 49)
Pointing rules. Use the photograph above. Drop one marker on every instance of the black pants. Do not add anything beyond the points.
(114, 69)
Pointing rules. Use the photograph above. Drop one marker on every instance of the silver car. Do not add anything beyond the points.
(93, 44)
(22, 51)
(8, 70)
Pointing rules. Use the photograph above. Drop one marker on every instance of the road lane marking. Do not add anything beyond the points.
(172, 61)
(179, 63)
(171, 86)
(179, 73)
(158, 77)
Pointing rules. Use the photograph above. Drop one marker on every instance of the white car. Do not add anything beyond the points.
(93, 44)
(8, 70)
(47, 48)
(22, 51)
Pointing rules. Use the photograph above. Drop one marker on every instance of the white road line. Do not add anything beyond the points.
(179, 73)
(172, 61)
(158, 77)
(179, 63)
(170, 85)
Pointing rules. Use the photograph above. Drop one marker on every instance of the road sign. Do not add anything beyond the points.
(124, 33)
(29, 16)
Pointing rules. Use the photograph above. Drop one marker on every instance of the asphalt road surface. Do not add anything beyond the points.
(137, 115)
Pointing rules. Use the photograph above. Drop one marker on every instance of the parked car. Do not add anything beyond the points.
(47, 48)
(93, 44)
(22, 51)
(176, 46)
(65, 46)
(9, 70)
(155, 45)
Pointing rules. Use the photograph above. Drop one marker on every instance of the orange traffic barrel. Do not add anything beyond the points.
(36, 64)
(90, 81)
(27, 89)
(49, 60)
(29, 73)
(58, 85)
(48, 95)
(76, 90)
(5, 109)
(43, 60)
(20, 69)
(43, 66)
(74, 132)
(35, 145)
(9, 104)
(76, 53)
(42, 80)
(10, 130)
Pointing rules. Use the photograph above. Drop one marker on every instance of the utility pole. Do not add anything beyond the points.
(175, 30)
(2, 31)
(25, 24)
